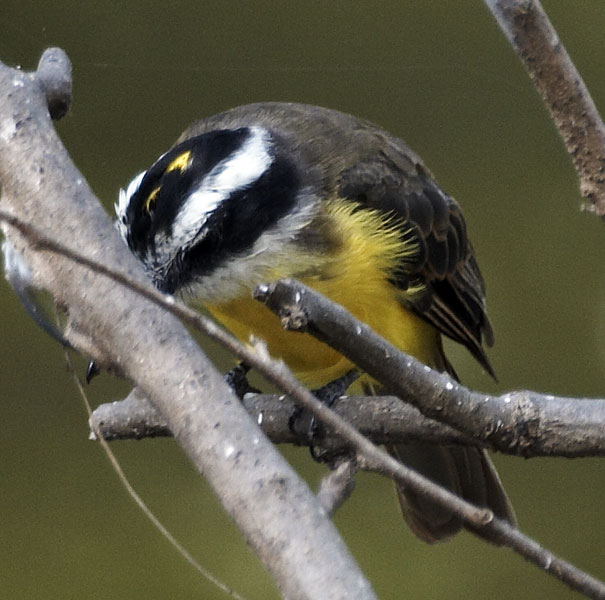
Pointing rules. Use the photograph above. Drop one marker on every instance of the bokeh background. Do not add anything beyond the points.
(442, 76)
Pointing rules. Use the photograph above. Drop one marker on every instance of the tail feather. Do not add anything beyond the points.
(465, 471)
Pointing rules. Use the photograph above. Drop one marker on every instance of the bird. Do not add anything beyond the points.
(271, 190)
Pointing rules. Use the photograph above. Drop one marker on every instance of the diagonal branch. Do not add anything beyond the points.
(563, 91)
(368, 456)
(272, 506)
(524, 423)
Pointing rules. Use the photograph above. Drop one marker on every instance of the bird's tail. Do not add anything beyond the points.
(466, 471)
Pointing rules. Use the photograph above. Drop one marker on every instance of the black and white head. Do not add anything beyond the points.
(211, 214)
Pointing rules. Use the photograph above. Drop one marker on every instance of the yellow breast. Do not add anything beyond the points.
(353, 273)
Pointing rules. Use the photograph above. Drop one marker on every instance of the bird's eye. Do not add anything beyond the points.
(150, 202)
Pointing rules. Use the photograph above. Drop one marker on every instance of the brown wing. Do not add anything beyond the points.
(452, 295)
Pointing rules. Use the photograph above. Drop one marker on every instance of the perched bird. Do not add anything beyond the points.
(272, 190)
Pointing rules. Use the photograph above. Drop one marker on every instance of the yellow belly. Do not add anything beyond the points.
(353, 274)
(315, 363)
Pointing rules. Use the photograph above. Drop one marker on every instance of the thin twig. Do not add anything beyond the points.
(336, 487)
(136, 498)
(369, 456)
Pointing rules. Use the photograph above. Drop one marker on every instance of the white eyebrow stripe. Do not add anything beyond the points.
(236, 172)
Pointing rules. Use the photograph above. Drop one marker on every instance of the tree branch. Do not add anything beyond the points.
(523, 423)
(563, 91)
(275, 510)
(219, 442)
(368, 456)
(382, 419)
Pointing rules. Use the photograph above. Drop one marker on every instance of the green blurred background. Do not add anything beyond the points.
(442, 76)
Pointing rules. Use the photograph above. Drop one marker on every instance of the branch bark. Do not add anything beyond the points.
(127, 341)
(386, 420)
(383, 419)
(523, 423)
(366, 454)
(275, 510)
(563, 91)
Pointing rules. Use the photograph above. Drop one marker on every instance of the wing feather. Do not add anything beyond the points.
(452, 291)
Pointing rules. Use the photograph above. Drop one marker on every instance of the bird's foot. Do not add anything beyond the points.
(237, 380)
(302, 423)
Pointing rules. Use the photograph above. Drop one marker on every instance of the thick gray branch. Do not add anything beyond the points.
(383, 419)
(275, 510)
(552, 71)
(366, 454)
(218, 454)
